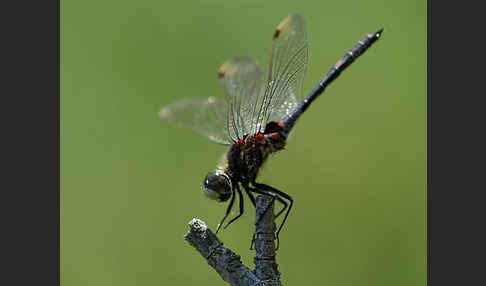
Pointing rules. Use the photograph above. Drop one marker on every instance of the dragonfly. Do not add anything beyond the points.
(256, 114)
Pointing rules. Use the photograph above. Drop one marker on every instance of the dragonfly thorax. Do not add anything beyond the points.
(245, 157)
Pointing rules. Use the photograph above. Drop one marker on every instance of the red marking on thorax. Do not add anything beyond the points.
(275, 135)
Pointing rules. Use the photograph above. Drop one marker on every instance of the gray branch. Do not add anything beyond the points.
(227, 263)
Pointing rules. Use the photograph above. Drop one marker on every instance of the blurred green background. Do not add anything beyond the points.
(355, 165)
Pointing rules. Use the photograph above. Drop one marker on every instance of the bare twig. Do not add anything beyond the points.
(227, 263)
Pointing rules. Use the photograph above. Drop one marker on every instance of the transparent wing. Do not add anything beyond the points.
(287, 68)
(242, 78)
(207, 116)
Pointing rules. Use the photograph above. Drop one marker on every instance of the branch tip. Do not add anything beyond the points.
(227, 263)
(198, 227)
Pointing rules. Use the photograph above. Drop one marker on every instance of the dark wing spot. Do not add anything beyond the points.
(165, 113)
(277, 33)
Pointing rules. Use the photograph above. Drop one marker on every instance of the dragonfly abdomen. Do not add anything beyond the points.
(346, 60)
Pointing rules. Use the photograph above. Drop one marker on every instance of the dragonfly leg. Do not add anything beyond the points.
(228, 210)
(273, 195)
(282, 210)
(250, 195)
(248, 190)
(278, 193)
(266, 193)
(240, 196)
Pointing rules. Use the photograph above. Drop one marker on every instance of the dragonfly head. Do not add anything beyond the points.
(217, 186)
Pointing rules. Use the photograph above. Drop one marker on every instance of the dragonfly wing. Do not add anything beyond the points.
(242, 79)
(287, 68)
(207, 116)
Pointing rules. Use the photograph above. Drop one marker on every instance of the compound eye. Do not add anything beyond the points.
(217, 187)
